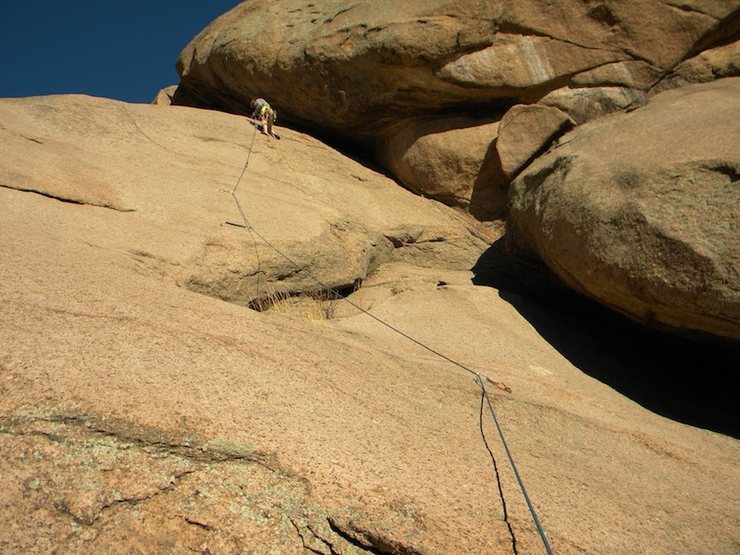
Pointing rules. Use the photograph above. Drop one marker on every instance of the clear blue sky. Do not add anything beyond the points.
(123, 49)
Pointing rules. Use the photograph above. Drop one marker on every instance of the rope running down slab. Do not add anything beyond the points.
(480, 378)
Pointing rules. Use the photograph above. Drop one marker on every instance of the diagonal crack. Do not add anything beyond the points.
(349, 537)
(340, 12)
(174, 481)
(194, 452)
(64, 199)
(149, 137)
(63, 508)
(685, 8)
(329, 544)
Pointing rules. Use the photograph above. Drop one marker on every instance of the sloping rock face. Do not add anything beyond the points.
(53, 147)
(639, 211)
(360, 70)
(138, 415)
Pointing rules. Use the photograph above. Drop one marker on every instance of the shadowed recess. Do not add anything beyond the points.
(682, 378)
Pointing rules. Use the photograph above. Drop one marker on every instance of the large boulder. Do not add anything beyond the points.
(368, 72)
(356, 68)
(639, 210)
(165, 95)
(525, 131)
(715, 63)
(451, 159)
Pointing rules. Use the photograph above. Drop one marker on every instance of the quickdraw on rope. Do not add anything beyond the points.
(479, 378)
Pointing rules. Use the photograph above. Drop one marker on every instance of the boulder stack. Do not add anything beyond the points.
(366, 71)
(640, 210)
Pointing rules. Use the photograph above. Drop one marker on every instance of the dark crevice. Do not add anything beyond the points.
(329, 544)
(198, 524)
(62, 507)
(498, 476)
(685, 8)
(264, 303)
(636, 56)
(400, 242)
(564, 127)
(51, 437)
(679, 375)
(725, 32)
(350, 538)
(303, 539)
(136, 500)
(723, 168)
(340, 12)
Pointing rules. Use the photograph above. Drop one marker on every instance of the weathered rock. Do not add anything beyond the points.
(330, 217)
(634, 74)
(138, 416)
(164, 97)
(525, 131)
(584, 104)
(639, 210)
(524, 62)
(355, 68)
(451, 160)
(723, 61)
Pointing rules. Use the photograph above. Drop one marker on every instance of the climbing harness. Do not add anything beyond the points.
(479, 378)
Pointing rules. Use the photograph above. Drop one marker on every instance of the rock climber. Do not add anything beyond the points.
(264, 115)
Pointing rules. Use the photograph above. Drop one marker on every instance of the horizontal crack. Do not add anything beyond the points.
(518, 29)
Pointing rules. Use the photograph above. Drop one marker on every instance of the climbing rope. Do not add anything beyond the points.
(532, 512)
(241, 211)
(479, 378)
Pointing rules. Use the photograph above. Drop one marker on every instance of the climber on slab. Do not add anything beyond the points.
(264, 115)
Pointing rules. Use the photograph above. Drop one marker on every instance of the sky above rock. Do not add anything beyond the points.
(113, 48)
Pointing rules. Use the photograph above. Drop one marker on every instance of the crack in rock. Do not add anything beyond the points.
(198, 524)
(368, 540)
(306, 546)
(511, 28)
(68, 200)
(685, 8)
(209, 452)
(174, 481)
